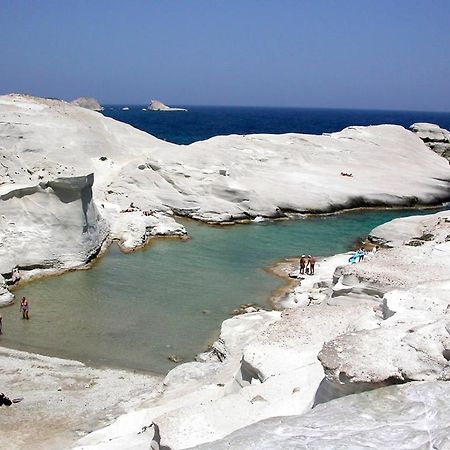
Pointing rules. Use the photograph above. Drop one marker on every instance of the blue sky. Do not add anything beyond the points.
(381, 54)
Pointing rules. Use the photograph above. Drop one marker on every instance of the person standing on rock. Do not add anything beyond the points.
(24, 308)
(311, 264)
(302, 265)
(361, 254)
(1, 324)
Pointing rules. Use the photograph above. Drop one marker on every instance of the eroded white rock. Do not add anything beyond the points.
(400, 417)
(435, 137)
(413, 340)
(50, 225)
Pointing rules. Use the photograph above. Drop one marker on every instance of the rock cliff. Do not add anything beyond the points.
(50, 226)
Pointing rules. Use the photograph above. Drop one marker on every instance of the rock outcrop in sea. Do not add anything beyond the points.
(156, 105)
(88, 103)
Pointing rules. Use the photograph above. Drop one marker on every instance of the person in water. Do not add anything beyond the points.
(311, 264)
(302, 264)
(24, 308)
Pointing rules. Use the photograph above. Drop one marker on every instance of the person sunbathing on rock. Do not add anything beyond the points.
(131, 208)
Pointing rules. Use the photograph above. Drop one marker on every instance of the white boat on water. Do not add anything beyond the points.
(125, 109)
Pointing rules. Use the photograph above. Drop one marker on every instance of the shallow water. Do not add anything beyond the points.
(134, 310)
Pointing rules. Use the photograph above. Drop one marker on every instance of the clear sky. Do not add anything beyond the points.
(382, 54)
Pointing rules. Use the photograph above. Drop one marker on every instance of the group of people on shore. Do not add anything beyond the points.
(307, 264)
(360, 254)
(24, 309)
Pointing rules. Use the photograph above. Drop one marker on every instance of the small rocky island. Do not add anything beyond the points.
(156, 105)
(88, 103)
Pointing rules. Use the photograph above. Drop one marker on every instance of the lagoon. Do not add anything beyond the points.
(134, 310)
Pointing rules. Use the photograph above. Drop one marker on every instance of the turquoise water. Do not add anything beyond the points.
(134, 310)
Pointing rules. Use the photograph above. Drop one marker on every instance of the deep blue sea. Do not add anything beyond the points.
(203, 122)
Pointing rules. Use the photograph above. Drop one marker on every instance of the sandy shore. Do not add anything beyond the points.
(63, 399)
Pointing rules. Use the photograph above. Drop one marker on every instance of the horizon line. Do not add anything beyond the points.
(284, 107)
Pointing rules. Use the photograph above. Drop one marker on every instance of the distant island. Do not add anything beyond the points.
(156, 105)
(88, 103)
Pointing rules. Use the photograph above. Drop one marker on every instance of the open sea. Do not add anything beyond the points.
(134, 310)
(203, 122)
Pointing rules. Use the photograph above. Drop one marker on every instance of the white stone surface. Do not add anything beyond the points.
(223, 178)
(435, 137)
(415, 315)
(63, 399)
(141, 181)
(50, 225)
(414, 415)
(6, 297)
(270, 369)
(48, 151)
(399, 231)
(431, 132)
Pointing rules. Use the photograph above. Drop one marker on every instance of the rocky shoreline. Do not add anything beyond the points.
(348, 329)
(72, 181)
(63, 399)
(281, 363)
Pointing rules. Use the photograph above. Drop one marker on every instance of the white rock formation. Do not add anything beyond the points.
(223, 178)
(437, 138)
(414, 415)
(62, 399)
(53, 216)
(140, 181)
(5, 296)
(88, 103)
(270, 366)
(49, 226)
(416, 317)
(156, 105)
